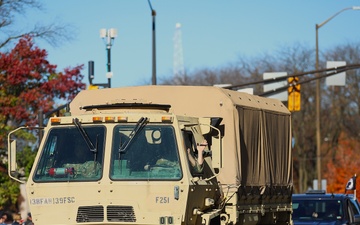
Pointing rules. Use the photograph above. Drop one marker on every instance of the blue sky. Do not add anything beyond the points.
(214, 33)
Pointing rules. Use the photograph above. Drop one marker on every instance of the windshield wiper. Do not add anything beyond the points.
(139, 125)
(84, 135)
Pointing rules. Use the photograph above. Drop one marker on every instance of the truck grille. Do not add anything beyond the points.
(120, 214)
(90, 214)
(87, 214)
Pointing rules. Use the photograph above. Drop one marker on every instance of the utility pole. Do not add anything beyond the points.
(318, 94)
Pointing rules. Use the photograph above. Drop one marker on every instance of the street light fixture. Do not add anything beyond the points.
(108, 36)
(318, 134)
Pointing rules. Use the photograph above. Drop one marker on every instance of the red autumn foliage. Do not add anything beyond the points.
(29, 83)
(343, 165)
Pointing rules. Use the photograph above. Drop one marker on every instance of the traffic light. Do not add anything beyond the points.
(91, 71)
(294, 97)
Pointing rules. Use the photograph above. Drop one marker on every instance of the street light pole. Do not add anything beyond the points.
(318, 95)
(108, 36)
(153, 14)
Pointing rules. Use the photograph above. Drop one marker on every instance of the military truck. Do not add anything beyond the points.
(121, 156)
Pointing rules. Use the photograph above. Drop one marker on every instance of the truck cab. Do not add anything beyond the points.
(122, 163)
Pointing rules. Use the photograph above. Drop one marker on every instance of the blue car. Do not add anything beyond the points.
(318, 207)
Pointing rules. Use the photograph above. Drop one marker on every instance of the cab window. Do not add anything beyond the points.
(66, 155)
(149, 153)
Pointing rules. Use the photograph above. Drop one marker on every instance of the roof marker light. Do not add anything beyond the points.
(109, 119)
(167, 119)
(55, 120)
(97, 119)
(122, 119)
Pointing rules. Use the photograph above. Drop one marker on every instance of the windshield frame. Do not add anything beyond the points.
(60, 141)
(153, 140)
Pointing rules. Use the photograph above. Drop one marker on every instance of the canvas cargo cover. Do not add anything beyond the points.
(257, 130)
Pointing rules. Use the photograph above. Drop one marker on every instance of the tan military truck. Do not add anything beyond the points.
(121, 156)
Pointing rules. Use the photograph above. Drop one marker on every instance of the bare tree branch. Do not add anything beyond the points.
(53, 33)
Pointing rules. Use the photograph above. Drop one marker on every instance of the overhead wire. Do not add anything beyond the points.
(329, 72)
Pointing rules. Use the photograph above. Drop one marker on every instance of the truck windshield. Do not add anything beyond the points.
(151, 155)
(67, 157)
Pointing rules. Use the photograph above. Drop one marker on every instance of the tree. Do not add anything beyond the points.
(344, 101)
(29, 83)
(53, 33)
(340, 121)
(340, 106)
(344, 161)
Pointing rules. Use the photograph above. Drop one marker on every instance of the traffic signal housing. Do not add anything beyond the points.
(294, 97)
(93, 87)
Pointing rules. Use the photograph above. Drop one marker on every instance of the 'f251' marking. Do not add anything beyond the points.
(162, 200)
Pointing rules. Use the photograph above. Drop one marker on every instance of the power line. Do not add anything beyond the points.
(329, 72)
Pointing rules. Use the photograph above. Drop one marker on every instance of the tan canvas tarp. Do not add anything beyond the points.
(257, 140)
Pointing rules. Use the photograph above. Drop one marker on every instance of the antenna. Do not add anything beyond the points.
(178, 52)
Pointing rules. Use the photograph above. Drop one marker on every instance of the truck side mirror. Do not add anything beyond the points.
(12, 161)
(216, 149)
(12, 156)
(216, 145)
(12, 167)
